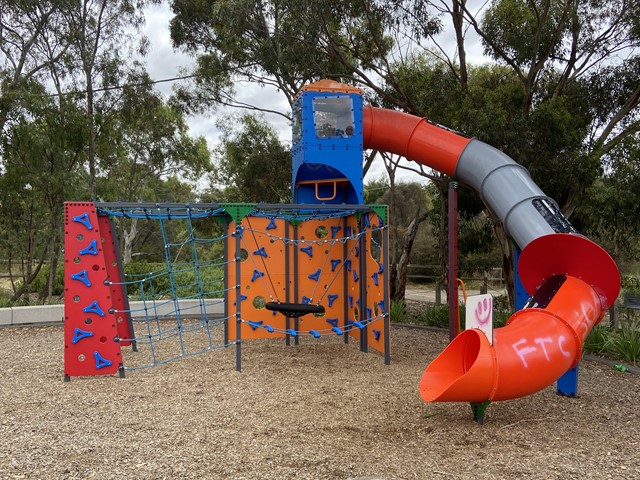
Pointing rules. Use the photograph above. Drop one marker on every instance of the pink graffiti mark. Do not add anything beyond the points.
(483, 311)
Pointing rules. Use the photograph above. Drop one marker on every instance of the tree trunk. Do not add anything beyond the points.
(457, 15)
(399, 285)
(128, 237)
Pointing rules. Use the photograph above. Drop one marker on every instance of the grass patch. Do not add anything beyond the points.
(398, 311)
(625, 342)
(433, 316)
(598, 339)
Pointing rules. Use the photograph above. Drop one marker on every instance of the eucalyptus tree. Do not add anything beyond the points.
(102, 35)
(284, 44)
(43, 155)
(33, 38)
(144, 148)
(253, 165)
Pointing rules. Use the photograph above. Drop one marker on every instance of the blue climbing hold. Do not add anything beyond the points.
(316, 276)
(356, 252)
(350, 298)
(376, 334)
(91, 249)
(256, 275)
(331, 299)
(334, 230)
(333, 321)
(308, 250)
(367, 223)
(355, 276)
(79, 334)
(272, 224)
(261, 251)
(305, 300)
(380, 269)
(101, 362)
(381, 305)
(255, 325)
(93, 307)
(314, 333)
(375, 279)
(82, 276)
(84, 220)
(334, 264)
(242, 297)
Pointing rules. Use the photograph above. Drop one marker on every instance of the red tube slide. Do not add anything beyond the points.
(573, 282)
(412, 137)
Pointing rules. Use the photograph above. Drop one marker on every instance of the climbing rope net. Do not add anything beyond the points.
(212, 275)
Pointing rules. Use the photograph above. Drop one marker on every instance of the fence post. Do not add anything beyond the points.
(484, 288)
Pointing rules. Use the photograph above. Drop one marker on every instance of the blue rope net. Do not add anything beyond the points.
(176, 295)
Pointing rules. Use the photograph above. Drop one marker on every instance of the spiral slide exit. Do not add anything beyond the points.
(572, 280)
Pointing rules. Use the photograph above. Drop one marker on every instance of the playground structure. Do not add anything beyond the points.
(571, 280)
(273, 272)
(300, 271)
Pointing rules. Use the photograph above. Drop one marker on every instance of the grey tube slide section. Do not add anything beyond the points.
(508, 190)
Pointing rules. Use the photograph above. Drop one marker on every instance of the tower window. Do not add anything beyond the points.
(333, 116)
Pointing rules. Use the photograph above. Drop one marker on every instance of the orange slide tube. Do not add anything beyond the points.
(412, 137)
(535, 348)
(573, 282)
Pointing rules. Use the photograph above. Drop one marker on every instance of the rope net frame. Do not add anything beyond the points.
(214, 268)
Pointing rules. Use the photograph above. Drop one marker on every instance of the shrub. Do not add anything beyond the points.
(625, 342)
(398, 311)
(43, 275)
(435, 316)
(598, 339)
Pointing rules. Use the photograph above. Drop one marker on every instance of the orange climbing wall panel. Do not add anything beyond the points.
(90, 332)
(262, 275)
(318, 261)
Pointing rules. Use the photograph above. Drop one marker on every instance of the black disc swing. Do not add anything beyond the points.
(294, 310)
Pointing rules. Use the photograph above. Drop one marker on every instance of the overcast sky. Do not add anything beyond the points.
(164, 62)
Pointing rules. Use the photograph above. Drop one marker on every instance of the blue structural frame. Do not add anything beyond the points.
(327, 148)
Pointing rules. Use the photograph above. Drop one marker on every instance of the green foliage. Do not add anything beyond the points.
(625, 342)
(153, 280)
(286, 43)
(434, 316)
(611, 210)
(5, 299)
(145, 149)
(519, 29)
(253, 165)
(398, 311)
(597, 342)
(40, 282)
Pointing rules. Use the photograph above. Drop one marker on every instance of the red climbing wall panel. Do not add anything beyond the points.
(119, 299)
(90, 332)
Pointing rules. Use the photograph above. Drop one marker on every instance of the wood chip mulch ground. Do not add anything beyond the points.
(320, 410)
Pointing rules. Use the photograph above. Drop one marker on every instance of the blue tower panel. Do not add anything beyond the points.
(327, 148)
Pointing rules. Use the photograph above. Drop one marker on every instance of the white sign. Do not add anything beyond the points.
(479, 314)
